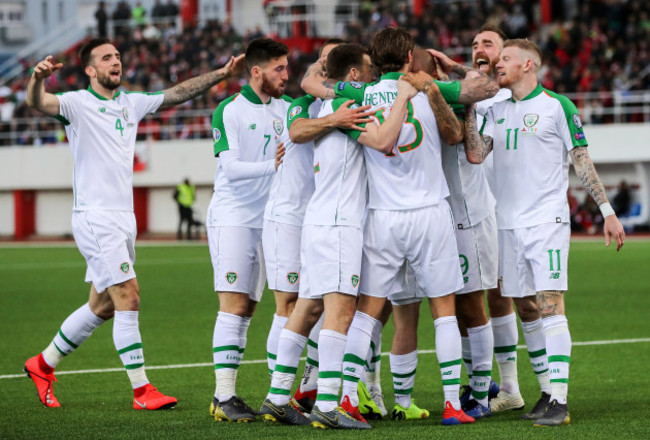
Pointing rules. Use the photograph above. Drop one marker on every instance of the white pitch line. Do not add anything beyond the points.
(263, 361)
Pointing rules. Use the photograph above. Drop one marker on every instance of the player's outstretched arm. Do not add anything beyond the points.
(383, 137)
(450, 128)
(477, 146)
(306, 130)
(195, 86)
(37, 97)
(315, 83)
(586, 171)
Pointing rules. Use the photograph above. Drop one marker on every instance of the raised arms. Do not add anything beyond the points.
(315, 83)
(306, 130)
(37, 97)
(195, 86)
(589, 177)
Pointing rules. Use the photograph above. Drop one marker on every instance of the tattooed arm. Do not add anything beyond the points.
(195, 86)
(450, 128)
(477, 146)
(589, 177)
(315, 83)
(474, 85)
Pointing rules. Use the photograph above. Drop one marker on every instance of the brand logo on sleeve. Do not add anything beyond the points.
(295, 112)
(216, 134)
(576, 120)
(355, 84)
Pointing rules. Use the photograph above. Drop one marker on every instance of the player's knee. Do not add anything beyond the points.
(527, 309)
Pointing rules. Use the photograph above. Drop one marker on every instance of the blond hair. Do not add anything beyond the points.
(529, 46)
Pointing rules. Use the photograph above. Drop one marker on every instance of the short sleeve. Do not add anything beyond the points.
(350, 90)
(354, 134)
(569, 125)
(146, 102)
(487, 128)
(224, 128)
(299, 109)
(450, 91)
(67, 107)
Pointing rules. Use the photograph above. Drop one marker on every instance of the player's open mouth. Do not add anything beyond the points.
(483, 64)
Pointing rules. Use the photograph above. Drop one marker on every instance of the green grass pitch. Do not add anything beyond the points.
(608, 300)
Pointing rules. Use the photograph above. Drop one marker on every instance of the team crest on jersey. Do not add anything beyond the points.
(125, 114)
(124, 267)
(576, 120)
(293, 277)
(530, 119)
(216, 134)
(295, 112)
(231, 277)
(277, 126)
(355, 280)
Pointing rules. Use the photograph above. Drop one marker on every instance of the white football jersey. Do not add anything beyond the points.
(411, 176)
(482, 108)
(531, 139)
(293, 184)
(341, 183)
(243, 123)
(102, 134)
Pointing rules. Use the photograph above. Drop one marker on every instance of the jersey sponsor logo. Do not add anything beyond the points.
(125, 114)
(231, 277)
(124, 267)
(530, 119)
(579, 135)
(295, 112)
(356, 84)
(355, 280)
(576, 120)
(501, 121)
(293, 277)
(216, 134)
(278, 126)
(252, 126)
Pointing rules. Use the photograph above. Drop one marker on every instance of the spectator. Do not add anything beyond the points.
(102, 18)
(622, 199)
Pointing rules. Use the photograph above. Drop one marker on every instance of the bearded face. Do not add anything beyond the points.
(273, 86)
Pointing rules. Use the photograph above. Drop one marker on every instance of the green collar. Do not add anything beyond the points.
(248, 93)
(98, 96)
(536, 91)
(391, 75)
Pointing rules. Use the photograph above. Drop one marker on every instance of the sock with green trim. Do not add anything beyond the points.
(482, 346)
(467, 355)
(332, 346)
(536, 345)
(227, 353)
(558, 347)
(290, 347)
(128, 343)
(277, 325)
(309, 380)
(373, 373)
(74, 331)
(506, 336)
(402, 367)
(356, 351)
(449, 354)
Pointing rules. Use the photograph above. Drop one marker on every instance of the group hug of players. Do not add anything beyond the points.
(361, 198)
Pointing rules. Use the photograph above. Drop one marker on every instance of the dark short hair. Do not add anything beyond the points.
(328, 42)
(389, 49)
(343, 58)
(493, 28)
(86, 49)
(262, 50)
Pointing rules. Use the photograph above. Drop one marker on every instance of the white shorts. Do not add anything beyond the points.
(534, 259)
(424, 237)
(237, 260)
(281, 244)
(410, 293)
(330, 258)
(106, 239)
(479, 256)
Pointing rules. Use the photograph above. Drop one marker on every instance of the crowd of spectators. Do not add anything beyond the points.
(590, 46)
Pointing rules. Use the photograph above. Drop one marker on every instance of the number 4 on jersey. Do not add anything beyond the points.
(119, 126)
